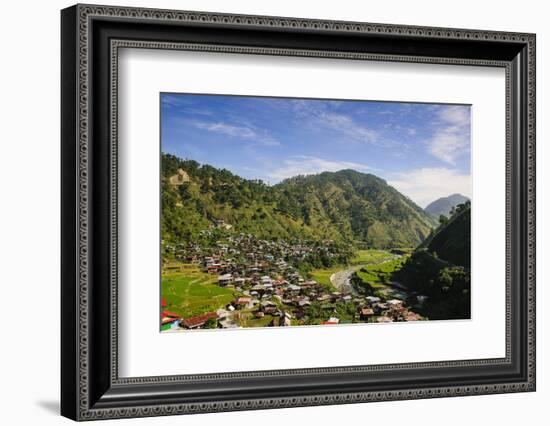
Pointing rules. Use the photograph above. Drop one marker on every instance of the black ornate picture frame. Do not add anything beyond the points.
(91, 387)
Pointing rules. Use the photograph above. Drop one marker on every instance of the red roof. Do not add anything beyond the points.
(329, 323)
(199, 320)
(170, 314)
(163, 302)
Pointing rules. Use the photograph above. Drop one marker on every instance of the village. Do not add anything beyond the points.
(269, 286)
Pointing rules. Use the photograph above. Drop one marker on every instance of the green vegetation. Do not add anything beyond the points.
(346, 312)
(374, 270)
(321, 259)
(316, 226)
(193, 292)
(248, 320)
(378, 276)
(322, 276)
(370, 256)
(319, 312)
(347, 207)
(439, 269)
(451, 241)
(446, 286)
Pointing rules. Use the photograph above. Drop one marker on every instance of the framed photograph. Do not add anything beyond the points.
(263, 212)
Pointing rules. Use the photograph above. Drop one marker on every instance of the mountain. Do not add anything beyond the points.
(440, 268)
(451, 242)
(444, 205)
(345, 206)
(359, 206)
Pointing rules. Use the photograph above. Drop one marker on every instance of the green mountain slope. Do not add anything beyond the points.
(345, 206)
(452, 241)
(359, 206)
(440, 268)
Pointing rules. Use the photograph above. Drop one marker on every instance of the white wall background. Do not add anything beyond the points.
(29, 212)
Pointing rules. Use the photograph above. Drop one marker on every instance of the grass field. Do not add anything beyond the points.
(370, 278)
(322, 276)
(248, 320)
(379, 274)
(192, 292)
(370, 256)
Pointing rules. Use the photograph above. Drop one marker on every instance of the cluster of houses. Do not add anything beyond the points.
(235, 252)
(392, 310)
(269, 291)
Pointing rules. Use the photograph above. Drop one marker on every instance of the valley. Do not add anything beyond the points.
(333, 248)
(258, 290)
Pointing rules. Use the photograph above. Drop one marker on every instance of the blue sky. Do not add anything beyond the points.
(423, 150)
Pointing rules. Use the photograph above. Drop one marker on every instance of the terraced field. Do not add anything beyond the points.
(363, 257)
(322, 276)
(190, 292)
(379, 275)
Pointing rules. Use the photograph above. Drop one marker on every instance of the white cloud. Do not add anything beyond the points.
(458, 115)
(227, 129)
(449, 144)
(307, 165)
(347, 126)
(173, 101)
(428, 184)
(241, 132)
(452, 138)
(319, 116)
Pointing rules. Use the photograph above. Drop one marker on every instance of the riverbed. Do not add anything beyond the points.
(341, 280)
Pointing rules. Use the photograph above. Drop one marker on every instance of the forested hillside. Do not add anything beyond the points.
(345, 206)
(440, 268)
(451, 241)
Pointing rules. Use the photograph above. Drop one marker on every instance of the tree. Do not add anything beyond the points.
(443, 219)
(211, 323)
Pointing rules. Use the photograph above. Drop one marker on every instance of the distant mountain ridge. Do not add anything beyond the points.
(444, 205)
(344, 206)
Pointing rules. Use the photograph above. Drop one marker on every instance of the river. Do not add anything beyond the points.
(341, 280)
